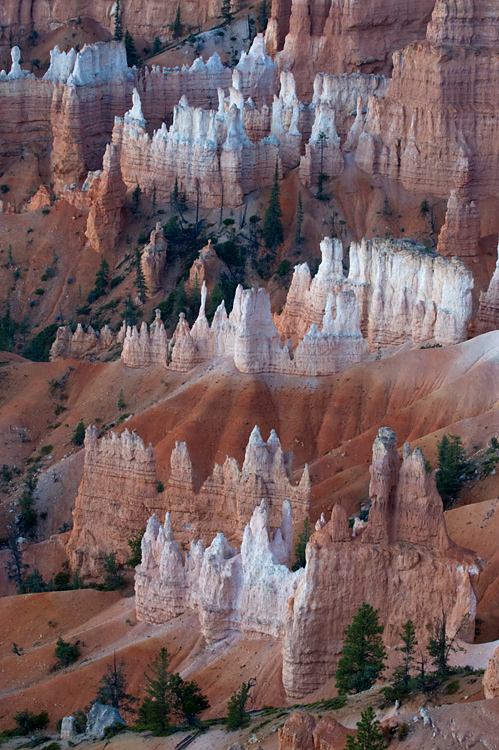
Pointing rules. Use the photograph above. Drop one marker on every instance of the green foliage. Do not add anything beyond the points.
(79, 434)
(4, 188)
(129, 313)
(118, 31)
(134, 543)
(136, 199)
(176, 26)
(452, 687)
(226, 11)
(33, 583)
(301, 545)
(38, 349)
(424, 208)
(322, 177)
(140, 280)
(440, 644)
(272, 226)
(113, 575)
(113, 687)
(160, 485)
(402, 731)
(283, 268)
(369, 735)
(77, 582)
(121, 400)
(132, 57)
(27, 519)
(237, 716)
(402, 674)
(66, 653)
(101, 281)
(451, 468)
(156, 45)
(46, 449)
(231, 252)
(62, 580)
(363, 655)
(156, 708)
(8, 329)
(28, 722)
(187, 699)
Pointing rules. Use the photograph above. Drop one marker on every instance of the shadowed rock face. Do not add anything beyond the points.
(119, 488)
(301, 732)
(488, 313)
(402, 563)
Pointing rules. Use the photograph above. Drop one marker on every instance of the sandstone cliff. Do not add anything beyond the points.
(152, 260)
(106, 193)
(461, 232)
(488, 312)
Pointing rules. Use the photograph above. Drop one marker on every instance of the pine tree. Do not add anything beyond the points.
(134, 542)
(113, 577)
(272, 226)
(451, 465)
(113, 689)
(408, 637)
(363, 655)
(156, 709)
(237, 716)
(14, 565)
(176, 26)
(66, 652)
(440, 644)
(118, 31)
(299, 221)
(227, 11)
(136, 199)
(132, 57)
(301, 545)
(129, 315)
(79, 434)
(121, 400)
(27, 519)
(187, 699)
(322, 177)
(369, 736)
(140, 279)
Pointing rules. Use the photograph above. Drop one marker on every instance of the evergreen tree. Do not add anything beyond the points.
(136, 198)
(363, 655)
(263, 16)
(322, 177)
(187, 699)
(113, 577)
(451, 465)
(101, 281)
(129, 315)
(33, 583)
(134, 543)
(299, 221)
(121, 400)
(132, 57)
(14, 565)
(440, 644)
(301, 545)
(272, 226)
(156, 45)
(66, 653)
(156, 709)
(237, 716)
(369, 735)
(409, 643)
(140, 280)
(113, 688)
(27, 519)
(176, 26)
(79, 434)
(227, 11)
(118, 31)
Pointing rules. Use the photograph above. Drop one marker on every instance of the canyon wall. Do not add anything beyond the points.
(437, 129)
(119, 483)
(118, 492)
(402, 563)
(404, 292)
(488, 312)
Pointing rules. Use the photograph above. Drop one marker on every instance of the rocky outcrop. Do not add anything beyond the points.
(84, 345)
(257, 73)
(301, 732)
(152, 260)
(227, 498)
(323, 155)
(491, 676)
(42, 198)
(460, 234)
(207, 152)
(147, 346)
(234, 593)
(404, 292)
(437, 129)
(117, 494)
(341, 37)
(106, 192)
(488, 312)
(402, 563)
(206, 269)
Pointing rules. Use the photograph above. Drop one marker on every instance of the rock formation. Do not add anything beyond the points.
(106, 195)
(257, 73)
(42, 198)
(437, 129)
(323, 155)
(152, 260)
(488, 312)
(491, 676)
(403, 292)
(81, 345)
(461, 232)
(402, 563)
(301, 732)
(117, 494)
(206, 269)
(120, 480)
(147, 346)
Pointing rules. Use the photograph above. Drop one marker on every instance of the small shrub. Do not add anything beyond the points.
(161, 486)
(402, 731)
(452, 687)
(79, 434)
(40, 291)
(45, 210)
(28, 722)
(67, 653)
(4, 188)
(62, 579)
(113, 577)
(46, 449)
(117, 280)
(284, 267)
